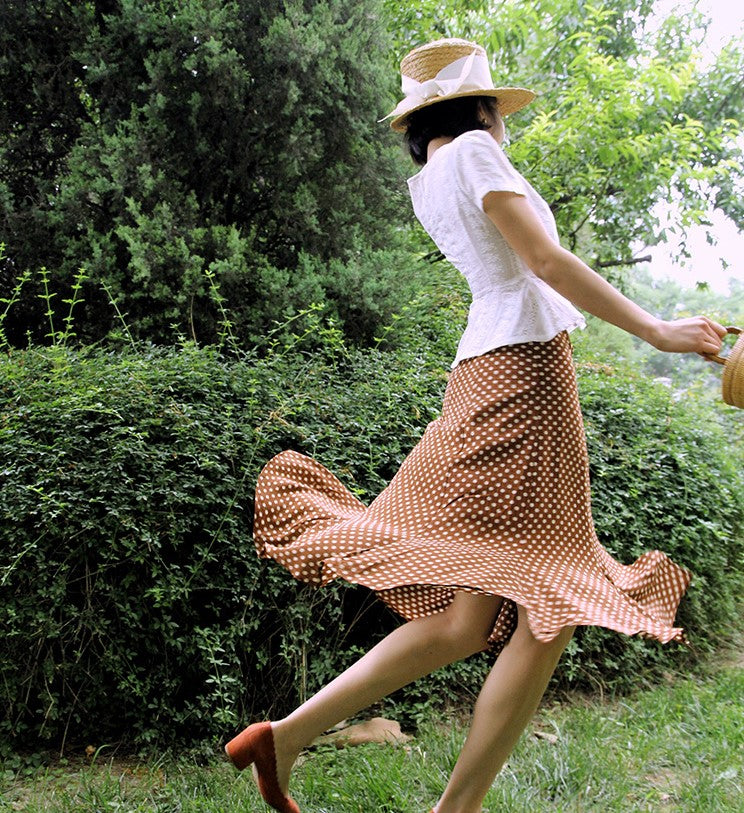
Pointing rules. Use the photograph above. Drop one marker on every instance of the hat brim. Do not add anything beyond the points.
(510, 100)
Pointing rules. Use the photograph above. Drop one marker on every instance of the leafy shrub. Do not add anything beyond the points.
(131, 600)
(130, 595)
(664, 475)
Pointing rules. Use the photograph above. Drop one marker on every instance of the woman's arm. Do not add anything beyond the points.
(517, 221)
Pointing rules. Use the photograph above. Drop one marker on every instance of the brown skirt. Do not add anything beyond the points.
(493, 499)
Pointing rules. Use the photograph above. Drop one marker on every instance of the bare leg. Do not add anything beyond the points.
(409, 652)
(507, 702)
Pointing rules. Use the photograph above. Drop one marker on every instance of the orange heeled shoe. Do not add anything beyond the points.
(255, 746)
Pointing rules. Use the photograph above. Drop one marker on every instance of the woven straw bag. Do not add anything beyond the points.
(732, 383)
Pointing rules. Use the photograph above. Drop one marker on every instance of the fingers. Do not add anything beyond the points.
(709, 334)
(711, 343)
(717, 328)
(695, 334)
(710, 347)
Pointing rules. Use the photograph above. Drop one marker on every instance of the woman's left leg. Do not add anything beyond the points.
(412, 650)
(506, 703)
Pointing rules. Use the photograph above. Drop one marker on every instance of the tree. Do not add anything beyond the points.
(184, 152)
(627, 114)
(232, 136)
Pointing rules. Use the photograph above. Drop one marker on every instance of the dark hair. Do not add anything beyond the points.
(451, 117)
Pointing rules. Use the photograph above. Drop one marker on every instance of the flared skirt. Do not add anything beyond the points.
(493, 499)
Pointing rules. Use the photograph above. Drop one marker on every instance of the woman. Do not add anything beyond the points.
(484, 537)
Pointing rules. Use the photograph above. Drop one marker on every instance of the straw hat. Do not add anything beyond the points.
(449, 69)
(732, 383)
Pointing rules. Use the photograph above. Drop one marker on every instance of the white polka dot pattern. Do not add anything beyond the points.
(494, 499)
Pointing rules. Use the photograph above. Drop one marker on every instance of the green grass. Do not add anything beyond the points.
(678, 746)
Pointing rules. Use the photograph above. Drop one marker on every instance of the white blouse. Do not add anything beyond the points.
(510, 303)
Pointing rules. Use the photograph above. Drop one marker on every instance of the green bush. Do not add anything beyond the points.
(131, 600)
(664, 475)
(130, 595)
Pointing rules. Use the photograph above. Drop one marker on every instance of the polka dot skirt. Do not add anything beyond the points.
(493, 499)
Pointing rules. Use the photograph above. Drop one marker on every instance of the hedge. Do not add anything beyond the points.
(131, 600)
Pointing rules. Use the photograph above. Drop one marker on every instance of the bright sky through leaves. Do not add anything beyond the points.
(707, 262)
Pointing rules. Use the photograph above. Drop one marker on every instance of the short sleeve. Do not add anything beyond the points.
(481, 167)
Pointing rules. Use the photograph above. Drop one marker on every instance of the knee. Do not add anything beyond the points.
(461, 640)
(462, 633)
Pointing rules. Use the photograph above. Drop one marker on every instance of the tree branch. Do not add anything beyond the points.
(433, 256)
(631, 261)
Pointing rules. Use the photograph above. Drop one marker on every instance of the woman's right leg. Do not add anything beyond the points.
(507, 702)
(411, 651)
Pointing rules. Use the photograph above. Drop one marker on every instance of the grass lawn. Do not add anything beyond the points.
(675, 747)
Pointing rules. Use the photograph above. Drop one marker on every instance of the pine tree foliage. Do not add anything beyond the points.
(163, 138)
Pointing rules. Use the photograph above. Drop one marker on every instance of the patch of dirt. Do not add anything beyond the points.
(664, 778)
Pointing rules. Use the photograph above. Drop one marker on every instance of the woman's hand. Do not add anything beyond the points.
(696, 334)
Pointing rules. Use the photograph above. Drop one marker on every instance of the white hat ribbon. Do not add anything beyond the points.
(469, 73)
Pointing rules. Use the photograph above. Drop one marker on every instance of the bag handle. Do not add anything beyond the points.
(720, 359)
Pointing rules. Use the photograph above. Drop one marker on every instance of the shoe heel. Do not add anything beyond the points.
(255, 744)
(240, 749)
